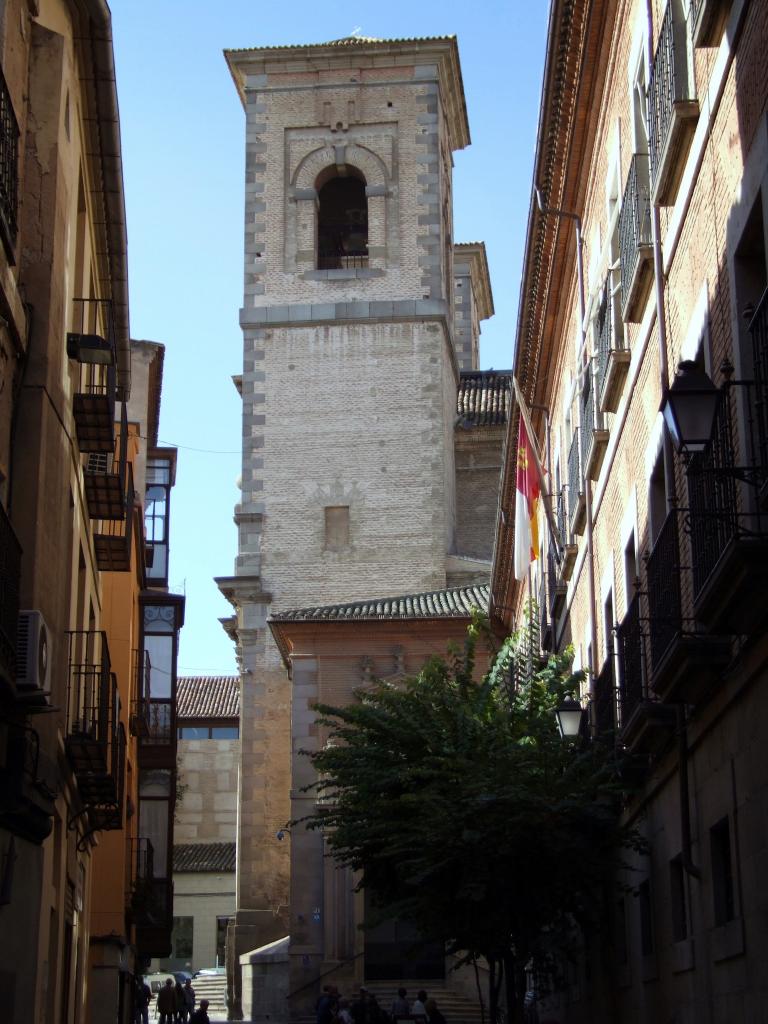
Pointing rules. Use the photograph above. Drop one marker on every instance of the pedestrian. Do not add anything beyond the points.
(143, 999)
(344, 1015)
(327, 1005)
(433, 1014)
(189, 1000)
(361, 1007)
(181, 1002)
(419, 1009)
(200, 1016)
(166, 1002)
(400, 1005)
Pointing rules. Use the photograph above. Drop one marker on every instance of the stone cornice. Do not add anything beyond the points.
(238, 589)
(474, 254)
(245, 65)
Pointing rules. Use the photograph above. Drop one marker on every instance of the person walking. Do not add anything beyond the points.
(181, 1002)
(200, 1016)
(433, 1014)
(166, 1002)
(400, 1005)
(419, 1008)
(143, 999)
(189, 1000)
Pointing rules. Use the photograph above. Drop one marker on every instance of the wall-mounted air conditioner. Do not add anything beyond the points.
(33, 667)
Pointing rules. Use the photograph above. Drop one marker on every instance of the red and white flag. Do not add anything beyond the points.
(527, 497)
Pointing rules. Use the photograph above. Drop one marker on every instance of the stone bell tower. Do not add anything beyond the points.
(349, 376)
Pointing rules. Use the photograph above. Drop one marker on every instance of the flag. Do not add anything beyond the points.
(527, 497)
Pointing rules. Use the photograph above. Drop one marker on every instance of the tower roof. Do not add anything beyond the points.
(246, 64)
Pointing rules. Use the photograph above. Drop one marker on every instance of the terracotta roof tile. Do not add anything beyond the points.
(208, 697)
(204, 857)
(455, 603)
(483, 399)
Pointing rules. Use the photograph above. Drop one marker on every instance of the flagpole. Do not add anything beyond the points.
(545, 495)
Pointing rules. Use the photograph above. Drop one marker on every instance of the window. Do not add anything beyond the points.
(640, 104)
(631, 572)
(657, 498)
(620, 932)
(646, 918)
(209, 732)
(182, 938)
(678, 902)
(156, 517)
(221, 940)
(336, 527)
(342, 222)
(722, 872)
(608, 625)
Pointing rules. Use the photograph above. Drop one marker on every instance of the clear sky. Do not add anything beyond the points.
(183, 157)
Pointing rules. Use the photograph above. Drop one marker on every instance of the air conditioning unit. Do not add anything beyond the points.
(33, 667)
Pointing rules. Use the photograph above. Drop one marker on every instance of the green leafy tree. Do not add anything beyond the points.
(466, 813)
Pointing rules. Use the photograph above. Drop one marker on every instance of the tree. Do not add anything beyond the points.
(466, 813)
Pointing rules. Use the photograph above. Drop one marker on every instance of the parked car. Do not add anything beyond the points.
(210, 972)
(157, 979)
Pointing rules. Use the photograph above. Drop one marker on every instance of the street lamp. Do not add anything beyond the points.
(689, 407)
(569, 718)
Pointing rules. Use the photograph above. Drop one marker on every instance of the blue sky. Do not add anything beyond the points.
(183, 156)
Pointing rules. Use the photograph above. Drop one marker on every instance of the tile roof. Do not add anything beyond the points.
(204, 857)
(456, 603)
(347, 41)
(208, 697)
(484, 398)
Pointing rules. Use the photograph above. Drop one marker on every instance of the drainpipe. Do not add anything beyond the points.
(551, 211)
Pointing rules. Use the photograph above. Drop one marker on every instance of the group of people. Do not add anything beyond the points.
(332, 1008)
(175, 1004)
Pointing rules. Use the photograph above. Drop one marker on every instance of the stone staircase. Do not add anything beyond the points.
(212, 987)
(455, 1007)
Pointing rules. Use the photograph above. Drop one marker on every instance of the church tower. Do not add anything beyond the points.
(349, 379)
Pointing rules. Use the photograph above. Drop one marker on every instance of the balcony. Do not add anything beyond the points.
(28, 786)
(9, 171)
(672, 106)
(336, 261)
(557, 590)
(594, 436)
(758, 330)
(92, 346)
(138, 721)
(545, 622)
(10, 574)
(139, 874)
(154, 920)
(729, 532)
(604, 710)
(612, 357)
(645, 723)
(707, 21)
(106, 477)
(685, 663)
(577, 502)
(635, 242)
(95, 740)
(570, 550)
(112, 538)
(161, 724)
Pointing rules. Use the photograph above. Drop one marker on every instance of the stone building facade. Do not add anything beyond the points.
(646, 250)
(359, 315)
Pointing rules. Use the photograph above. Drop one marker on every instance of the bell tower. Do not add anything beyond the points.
(349, 376)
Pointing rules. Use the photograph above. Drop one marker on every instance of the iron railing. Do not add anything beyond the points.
(9, 165)
(161, 723)
(543, 609)
(665, 619)
(330, 261)
(10, 574)
(713, 517)
(139, 869)
(90, 704)
(139, 716)
(629, 648)
(113, 537)
(591, 419)
(668, 83)
(758, 329)
(634, 222)
(605, 698)
(604, 332)
(575, 478)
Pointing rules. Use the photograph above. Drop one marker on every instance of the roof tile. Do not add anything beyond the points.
(456, 603)
(208, 697)
(483, 399)
(204, 857)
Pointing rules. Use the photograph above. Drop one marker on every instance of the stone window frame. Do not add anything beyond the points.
(303, 206)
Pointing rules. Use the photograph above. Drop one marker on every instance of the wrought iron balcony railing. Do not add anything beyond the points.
(629, 648)
(635, 242)
(575, 485)
(91, 709)
(9, 169)
(106, 477)
(10, 574)
(671, 101)
(665, 616)
(139, 871)
(329, 261)
(139, 716)
(91, 344)
(112, 538)
(605, 700)
(594, 436)
(758, 329)
(161, 729)
(612, 357)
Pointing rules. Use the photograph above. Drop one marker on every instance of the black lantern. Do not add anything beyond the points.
(689, 408)
(569, 717)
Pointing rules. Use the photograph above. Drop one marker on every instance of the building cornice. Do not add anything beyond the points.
(475, 255)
